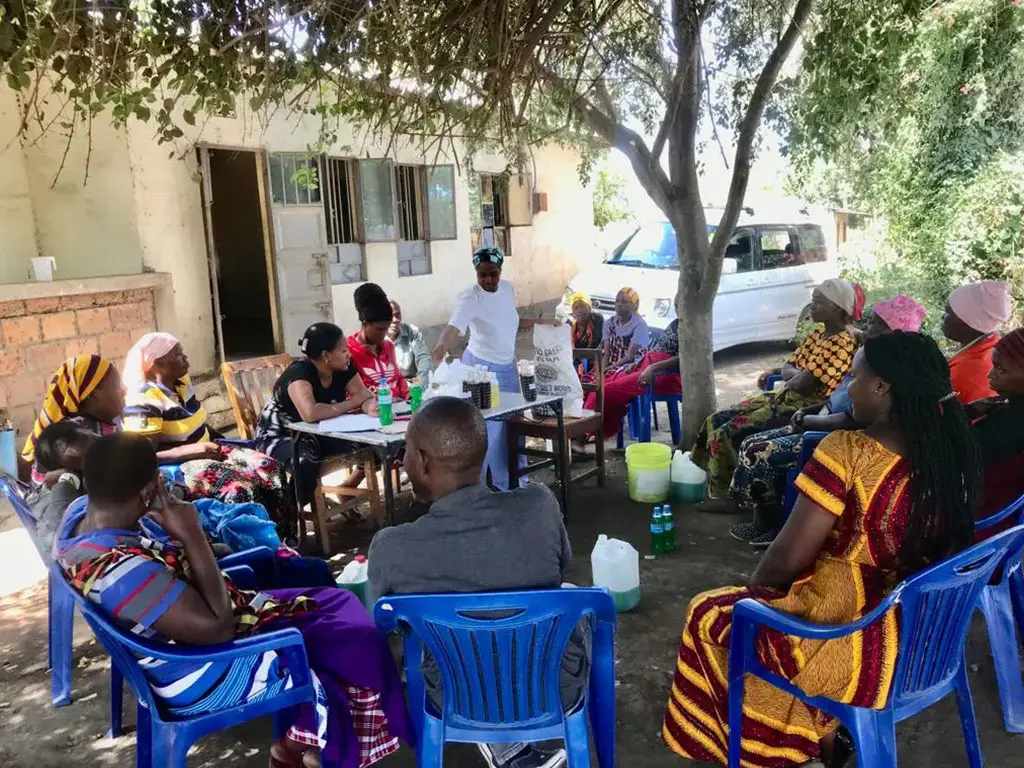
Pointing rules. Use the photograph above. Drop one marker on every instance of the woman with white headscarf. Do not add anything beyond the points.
(161, 405)
(809, 375)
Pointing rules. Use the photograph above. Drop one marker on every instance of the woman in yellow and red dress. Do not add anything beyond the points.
(875, 506)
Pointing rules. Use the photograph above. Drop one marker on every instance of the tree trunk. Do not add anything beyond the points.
(696, 365)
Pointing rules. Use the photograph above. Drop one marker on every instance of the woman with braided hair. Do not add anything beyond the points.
(875, 506)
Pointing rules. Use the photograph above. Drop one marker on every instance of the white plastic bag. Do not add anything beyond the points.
(555, 372)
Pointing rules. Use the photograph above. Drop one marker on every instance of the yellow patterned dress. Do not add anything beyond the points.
(717, 445)
(865, 486)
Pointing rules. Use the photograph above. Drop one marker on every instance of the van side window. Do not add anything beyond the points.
(741, 248)
(778, 248)
(812, 243)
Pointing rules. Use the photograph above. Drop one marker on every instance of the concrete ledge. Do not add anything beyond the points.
(42, 290)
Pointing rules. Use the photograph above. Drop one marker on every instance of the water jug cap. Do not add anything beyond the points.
(360, 558)
(602, 538)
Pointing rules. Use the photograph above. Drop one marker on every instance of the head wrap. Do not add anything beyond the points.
(147, 350)
(74, 381)
(578, 297)
(488, 255)
(1011, 346)
(901, 313)
(372, 304)
(846, 295)
(982, 306)
(632, 295)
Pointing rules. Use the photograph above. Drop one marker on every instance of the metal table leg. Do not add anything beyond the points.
(299, 514)
(562, 453)
(387, 459)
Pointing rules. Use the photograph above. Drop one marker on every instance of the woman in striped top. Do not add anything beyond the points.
(162, 406)
(176, 593)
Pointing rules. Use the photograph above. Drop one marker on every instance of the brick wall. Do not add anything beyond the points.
(37, 335)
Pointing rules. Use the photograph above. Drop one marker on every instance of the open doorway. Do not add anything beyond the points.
(236, 234)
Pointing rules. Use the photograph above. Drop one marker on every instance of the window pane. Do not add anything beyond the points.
(441, 202)
(777, 249)
(378, 205)
(476, 218)
(741, 248)
(276, 180)
(290, 189)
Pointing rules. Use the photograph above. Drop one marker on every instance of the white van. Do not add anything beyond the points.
(771, 267)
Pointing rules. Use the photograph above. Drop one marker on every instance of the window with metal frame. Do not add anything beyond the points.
(341, 209)
(377, 200)
(294, 178)
(410, 202)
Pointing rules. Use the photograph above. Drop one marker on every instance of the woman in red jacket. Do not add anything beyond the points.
(372, 351)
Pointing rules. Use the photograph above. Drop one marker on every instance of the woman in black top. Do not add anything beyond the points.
(323, 385)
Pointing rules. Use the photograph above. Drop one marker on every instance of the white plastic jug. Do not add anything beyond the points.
(354, 578)
(688, 480)
(615, 565)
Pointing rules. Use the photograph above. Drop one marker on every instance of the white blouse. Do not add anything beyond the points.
(492, 320)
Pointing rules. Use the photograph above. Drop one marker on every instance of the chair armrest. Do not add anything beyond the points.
(1009, 510)
(247, 557)
(242, 576)
(755, 614)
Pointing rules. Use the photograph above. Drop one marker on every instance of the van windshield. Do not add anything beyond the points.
(652, 246)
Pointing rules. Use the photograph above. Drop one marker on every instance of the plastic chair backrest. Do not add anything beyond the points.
(1014, 509)
(116, 642)
(250, 384)
(16, 492)
(497, 671)
(936, 609)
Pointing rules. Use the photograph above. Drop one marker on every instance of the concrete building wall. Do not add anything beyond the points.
(141, 210)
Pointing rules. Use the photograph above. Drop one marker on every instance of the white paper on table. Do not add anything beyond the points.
(350, 422)
(360, 422)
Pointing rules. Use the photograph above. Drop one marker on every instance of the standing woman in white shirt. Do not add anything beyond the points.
(487, 309)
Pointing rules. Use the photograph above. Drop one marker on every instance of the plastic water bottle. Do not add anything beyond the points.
(387, 416)
(355, 577)
(657, 532)
(669, 525)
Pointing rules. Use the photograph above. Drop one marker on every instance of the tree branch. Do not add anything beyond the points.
(748, 132)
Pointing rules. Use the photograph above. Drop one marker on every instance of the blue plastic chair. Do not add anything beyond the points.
(257, 566)
(936, 606)
(501, 675)
(643, 408)
(807, 446)
(162, 740)
(1002, 605)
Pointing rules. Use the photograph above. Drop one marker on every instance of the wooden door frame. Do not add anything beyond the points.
(213, 263)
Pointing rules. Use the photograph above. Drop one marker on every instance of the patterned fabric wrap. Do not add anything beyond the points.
(827, 358)
(764, 463)
(74, 381)
(240, 477)
(718, 442)
(865, 486)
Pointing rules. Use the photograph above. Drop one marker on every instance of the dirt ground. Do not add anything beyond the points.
(34, 734)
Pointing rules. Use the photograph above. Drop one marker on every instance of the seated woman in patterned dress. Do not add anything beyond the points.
(162, 406)
(810, 375)
(625, 333)
(176, 592)
(875, 506)
(766, 458)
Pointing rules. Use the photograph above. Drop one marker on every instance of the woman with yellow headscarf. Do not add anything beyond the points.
(587, 325)
(86, 390)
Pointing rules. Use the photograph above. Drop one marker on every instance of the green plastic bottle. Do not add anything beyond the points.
(657, 532)
(384, 402)
(669, 524)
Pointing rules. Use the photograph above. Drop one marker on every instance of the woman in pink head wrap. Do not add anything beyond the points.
(162, 406)
(973, 316)
(766, 458)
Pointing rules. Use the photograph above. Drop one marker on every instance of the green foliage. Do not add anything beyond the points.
(929, 134)
(610, 202)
